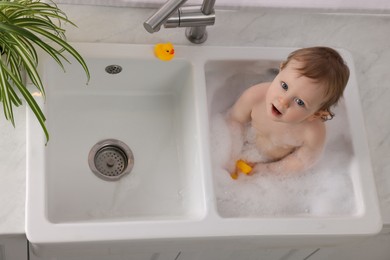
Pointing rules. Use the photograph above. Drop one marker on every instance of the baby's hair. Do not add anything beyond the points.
(324, 65)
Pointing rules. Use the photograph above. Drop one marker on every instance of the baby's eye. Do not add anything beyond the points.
(299, 102)
(284, 85)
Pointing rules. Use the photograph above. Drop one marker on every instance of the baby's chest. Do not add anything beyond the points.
(276, 134)
(275, 145)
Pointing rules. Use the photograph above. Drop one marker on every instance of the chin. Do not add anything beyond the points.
(275, 118)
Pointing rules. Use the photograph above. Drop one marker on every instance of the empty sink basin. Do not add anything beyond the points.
(147, 109)
(134, 103)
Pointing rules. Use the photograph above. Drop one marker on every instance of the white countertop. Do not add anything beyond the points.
(365, 36)
(361, 6)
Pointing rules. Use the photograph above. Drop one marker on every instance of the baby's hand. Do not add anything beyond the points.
(260, 168)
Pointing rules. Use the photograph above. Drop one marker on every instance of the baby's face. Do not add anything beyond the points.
(293, 98)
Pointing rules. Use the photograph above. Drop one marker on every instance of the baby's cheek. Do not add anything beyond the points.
(297, 116)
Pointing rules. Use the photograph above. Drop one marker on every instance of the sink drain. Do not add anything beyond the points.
(113, 69)
(110, 159)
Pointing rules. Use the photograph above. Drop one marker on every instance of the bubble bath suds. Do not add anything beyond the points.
(324, 190)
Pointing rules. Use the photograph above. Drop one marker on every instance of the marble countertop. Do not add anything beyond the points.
(361, 6)
(365, 36)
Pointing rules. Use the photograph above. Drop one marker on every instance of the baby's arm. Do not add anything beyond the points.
(238, 116)
(302, 158)
(242, 108)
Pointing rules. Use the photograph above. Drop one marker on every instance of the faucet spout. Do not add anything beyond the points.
(154, 22)
(195, 18)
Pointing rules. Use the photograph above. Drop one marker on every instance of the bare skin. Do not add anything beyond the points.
(287, 118)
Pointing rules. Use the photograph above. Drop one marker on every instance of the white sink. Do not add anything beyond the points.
(149, 107)
(163, 111)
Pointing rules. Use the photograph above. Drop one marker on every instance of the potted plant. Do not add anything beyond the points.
(26, 25)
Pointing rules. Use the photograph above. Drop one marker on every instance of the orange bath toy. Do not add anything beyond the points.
(241, 166)
(164, 51)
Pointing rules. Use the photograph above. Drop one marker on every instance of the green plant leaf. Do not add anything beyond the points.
(24, 26)
(66, 46)
(6, 99)
(14, 97)
(30, 101)
(29, 64)
(40, 22)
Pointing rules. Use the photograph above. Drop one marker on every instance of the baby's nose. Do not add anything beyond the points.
(284, 102)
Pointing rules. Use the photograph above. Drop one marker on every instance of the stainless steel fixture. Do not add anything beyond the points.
(172, 14)
(110, 159)
(113, 69)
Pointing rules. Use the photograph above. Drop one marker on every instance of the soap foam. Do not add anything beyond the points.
(324, 190)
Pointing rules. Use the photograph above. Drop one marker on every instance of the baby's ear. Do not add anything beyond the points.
(322, 114)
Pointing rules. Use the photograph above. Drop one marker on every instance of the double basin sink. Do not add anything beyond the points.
(168, 114)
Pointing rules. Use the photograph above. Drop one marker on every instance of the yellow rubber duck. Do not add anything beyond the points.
(164, 51)
(241, 166)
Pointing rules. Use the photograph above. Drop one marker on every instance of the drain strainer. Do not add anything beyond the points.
(110, 159)
(113, 69)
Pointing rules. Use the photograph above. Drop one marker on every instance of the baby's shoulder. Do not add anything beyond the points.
(258, 90)
(260, 87)
(315, 132)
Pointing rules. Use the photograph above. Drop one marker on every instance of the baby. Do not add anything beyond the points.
(284, 119)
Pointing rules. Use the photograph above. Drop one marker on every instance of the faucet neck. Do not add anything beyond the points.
(208, 7)
(172, 15)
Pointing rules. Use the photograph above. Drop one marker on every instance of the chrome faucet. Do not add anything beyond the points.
(172, 14)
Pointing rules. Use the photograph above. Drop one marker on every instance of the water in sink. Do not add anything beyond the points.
(325, 190)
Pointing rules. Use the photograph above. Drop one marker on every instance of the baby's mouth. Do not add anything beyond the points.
(275, 111)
